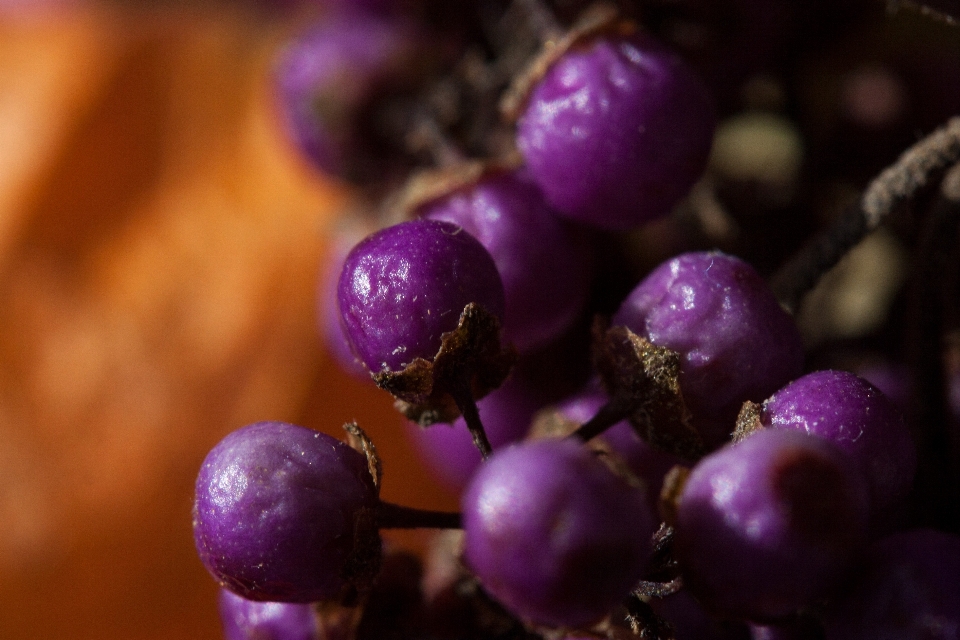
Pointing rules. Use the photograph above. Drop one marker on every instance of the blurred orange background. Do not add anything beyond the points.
(159, 249)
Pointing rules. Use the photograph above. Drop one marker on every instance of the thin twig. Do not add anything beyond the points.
(393, 516)
(914, 170)
(463, 396)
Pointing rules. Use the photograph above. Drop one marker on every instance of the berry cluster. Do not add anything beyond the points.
(637, 458)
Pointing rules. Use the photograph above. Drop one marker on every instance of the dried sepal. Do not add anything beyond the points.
(360, 441)
(644, 377)
(671, 491)
(748, 421)
(471, 354)
(645, 622)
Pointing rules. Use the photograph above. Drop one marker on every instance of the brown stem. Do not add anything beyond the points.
(471, 415)
(392, 516)
(915, 169)
(609, 414)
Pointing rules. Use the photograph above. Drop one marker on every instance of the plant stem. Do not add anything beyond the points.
(609, 414)
(393, 516)
(471, 415)
(914, 170)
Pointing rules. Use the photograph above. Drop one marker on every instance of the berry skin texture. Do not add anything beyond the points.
(859, 419)
(617, 131)
(402, 287)
(735, 341)
(552, 534)
(248, 620)
(281, 511)
(769, 525)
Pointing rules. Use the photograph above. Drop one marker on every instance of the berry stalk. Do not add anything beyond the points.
(394, 516)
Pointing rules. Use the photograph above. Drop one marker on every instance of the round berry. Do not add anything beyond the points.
(282, 513)
(617, 131)
(734, 340)
(769, 525)
(403, 287)
(552, 534)
(908, 589)
(325, 77)
(855, 416)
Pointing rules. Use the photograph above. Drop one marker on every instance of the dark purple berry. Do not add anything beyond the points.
(283, 513)
(617, 131)
(404, 286)
(855, 416)
(769, 525)
(552, 534)
(734, 340)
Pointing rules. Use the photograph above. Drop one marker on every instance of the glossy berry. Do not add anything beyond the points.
(552, 534)
(617, 131)
(735, 341)
(249, 620)
(769, 525)
(404, 286)
(545, 268)
(908, 589)
(854, 415)
(282, 512)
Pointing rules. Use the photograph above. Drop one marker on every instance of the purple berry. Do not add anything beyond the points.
(545, 269)
(617, 131)
(249, 620)
(404, 286)
(735, 341)
(909, 589)
(325, 76)
(769, 525)
(552, 534)
(282, 511)
(855, 416)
